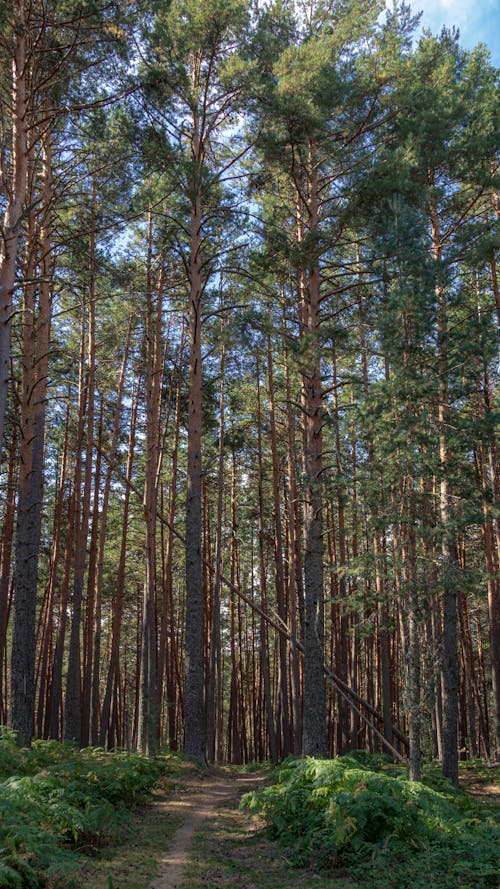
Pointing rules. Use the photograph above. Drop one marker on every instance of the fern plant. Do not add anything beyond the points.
(358, 811)
(55, 797)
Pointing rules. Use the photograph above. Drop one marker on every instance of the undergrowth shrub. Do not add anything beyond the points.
(360, 812)
(55, 798)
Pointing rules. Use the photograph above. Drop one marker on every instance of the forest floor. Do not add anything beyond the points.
(220, 847)
(205, 797)
(194, 836)
(483, 782)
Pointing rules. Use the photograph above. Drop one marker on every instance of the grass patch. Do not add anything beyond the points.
(361, 814)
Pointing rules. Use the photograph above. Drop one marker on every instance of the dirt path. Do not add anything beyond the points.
(199, 797)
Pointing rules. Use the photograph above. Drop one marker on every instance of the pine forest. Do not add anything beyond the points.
(249, 389)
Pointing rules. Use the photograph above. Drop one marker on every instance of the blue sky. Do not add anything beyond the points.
(478, 21)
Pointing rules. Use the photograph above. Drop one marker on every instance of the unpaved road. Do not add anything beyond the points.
(198, 798)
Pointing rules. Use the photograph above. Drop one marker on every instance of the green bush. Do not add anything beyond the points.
(359, 812)
(54, 798)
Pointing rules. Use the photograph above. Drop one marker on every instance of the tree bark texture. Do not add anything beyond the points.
(35, 354)
(16, 195)
(450, 567)
(315, 740)
(194, 704)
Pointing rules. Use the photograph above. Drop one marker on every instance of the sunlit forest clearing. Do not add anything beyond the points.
(249, 488)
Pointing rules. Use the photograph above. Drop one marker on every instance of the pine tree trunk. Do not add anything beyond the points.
(54, 702)
(149, 705)
(315, 740)
(6, 554)
(96, 648)
(294, 557)
(412, 647)
(214, 727)
(264, 642)
(86, 409)
(15, 203)
(354, 635)
(35, 354)
(96, 730)
(341, 652)
(278, 566)
(194, 704)
(90, 605)
(111, 692)
(173, 679)
(491, 534)
(450, 568)
(378, 552)
(44, 670)
(482, 684)
(166, 702)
